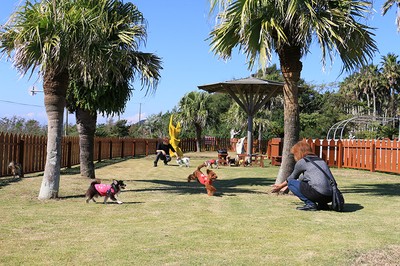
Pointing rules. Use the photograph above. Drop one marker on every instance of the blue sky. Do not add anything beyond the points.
(177, 32)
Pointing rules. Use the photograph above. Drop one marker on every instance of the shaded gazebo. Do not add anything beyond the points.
(251, 94)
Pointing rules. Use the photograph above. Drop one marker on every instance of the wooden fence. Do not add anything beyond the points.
(31, 151)
(372, 155)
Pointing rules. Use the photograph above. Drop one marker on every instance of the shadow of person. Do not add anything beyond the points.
(352, 207)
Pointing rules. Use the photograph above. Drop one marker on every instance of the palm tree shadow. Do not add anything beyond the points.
(98, 165)
(232, 186)
(375, 189)
(7, 180)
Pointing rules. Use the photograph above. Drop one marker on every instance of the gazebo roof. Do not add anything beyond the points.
(250, 93)
(245, 85)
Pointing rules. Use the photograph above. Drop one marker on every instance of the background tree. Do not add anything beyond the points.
(390, 69)
(285, 27)
(193, 111)
(218, 104)
(18, 125)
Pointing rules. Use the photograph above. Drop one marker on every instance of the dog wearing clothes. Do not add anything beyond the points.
(205, 179)
(107, 191)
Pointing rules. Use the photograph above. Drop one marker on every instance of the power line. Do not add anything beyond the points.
(26, 104)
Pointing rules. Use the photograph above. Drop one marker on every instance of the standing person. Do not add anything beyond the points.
(162, 151)
(306, 181)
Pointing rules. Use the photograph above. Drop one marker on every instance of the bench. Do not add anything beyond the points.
(276, 160)
(256, 159)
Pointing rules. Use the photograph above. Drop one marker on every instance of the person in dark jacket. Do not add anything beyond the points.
(306, 181)
(162, 151)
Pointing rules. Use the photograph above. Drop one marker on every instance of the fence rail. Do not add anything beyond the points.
(372, 155)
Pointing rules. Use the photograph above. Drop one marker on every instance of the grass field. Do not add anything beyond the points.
(166, 221)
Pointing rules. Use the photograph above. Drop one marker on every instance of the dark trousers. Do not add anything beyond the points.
(307, 194)
(161, 156)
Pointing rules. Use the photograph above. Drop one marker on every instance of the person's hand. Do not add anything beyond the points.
(278, 187)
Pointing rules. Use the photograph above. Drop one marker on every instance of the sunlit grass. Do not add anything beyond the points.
(166, 221)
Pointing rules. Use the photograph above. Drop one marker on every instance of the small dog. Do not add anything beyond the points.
(16, 169)
(206, 180)
(107, 191)
(212, 164)
(183, 161)
(232, 161)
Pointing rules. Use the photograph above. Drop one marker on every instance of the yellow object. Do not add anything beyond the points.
(174, 140)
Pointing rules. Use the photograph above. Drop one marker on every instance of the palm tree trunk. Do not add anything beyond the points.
(86, 125)
(198, 137)
(260, 127)
(291, 68)
(55, 87)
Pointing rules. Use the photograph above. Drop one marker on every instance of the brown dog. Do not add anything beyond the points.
(206, 180)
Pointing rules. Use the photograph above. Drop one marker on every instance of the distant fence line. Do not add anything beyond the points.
(31, 151)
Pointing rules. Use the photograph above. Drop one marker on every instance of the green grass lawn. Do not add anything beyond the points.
(166, 221)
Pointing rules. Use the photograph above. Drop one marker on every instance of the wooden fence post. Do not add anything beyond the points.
(110, 149)
(99, 152)
(21, 155)
(69, 151)
(339, 157)
(372, 169)
(122, 148)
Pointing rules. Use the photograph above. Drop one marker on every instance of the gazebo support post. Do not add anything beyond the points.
(250, 135)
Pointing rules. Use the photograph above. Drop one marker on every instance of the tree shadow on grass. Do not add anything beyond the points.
(375, 189)
(224, 187)
(104, 163)
(7, 180)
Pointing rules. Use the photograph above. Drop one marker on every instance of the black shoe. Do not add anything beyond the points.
(155, 164)
(307, 208)
(323, 207)
(165, 163)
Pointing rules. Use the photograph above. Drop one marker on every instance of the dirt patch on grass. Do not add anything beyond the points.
(387, 257)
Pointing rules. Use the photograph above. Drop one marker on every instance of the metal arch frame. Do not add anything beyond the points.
(359, 120)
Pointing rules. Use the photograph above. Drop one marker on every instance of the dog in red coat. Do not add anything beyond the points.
(205, 179)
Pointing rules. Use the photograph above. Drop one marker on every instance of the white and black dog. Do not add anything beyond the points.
(212, 163)
(16, 169)
(107, 191)
(183, 161)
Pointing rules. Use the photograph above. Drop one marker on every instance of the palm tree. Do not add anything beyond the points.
(193, 112)
(109, 97)
(387, 5)
(390, 68)
(286, 27)
(58, 39)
